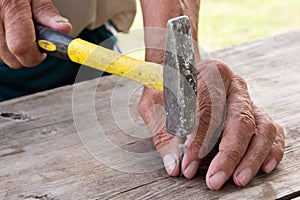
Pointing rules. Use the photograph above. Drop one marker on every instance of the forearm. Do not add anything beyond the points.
(156, 13)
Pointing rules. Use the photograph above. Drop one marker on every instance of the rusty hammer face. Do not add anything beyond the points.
(180, 78)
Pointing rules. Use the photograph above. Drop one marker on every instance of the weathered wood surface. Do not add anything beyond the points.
(42, 156)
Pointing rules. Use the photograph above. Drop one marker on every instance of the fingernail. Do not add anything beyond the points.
(270, 166)
(244, 176)
(218, 180)
(191, 170)
(60, 19)
(170, 163)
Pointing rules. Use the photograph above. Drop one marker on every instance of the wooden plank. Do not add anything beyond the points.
(42, 155)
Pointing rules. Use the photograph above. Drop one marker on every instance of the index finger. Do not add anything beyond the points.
(20, 33)
(152, 111)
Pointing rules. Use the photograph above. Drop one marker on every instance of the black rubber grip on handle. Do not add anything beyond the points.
(60, 40)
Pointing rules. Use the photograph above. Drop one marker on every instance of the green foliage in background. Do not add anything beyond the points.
(225, 23)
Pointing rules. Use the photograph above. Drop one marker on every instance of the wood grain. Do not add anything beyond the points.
(42, 154)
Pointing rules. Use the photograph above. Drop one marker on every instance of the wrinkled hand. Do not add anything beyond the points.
(17, 36)
(250, 139)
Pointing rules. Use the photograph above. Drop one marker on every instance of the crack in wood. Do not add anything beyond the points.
(290, 196)
(136, 187)
(49, 131)
(45, 126)
(10, 151)
(15, 116)
(42, 197)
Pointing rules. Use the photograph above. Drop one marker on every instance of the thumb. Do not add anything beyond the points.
(46, 14)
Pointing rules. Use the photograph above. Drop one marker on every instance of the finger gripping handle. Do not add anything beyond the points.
(52, 42)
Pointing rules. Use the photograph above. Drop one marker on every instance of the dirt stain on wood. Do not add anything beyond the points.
(11, 151)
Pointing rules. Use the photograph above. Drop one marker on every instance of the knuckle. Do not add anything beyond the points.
(232, 156)
(6, 4)
(18, 48)
(161, 139)
(277, 152)
(278, 147)
(15, 66)
(45, 6)
(222, 67)
(257, 157)
(149, 98)
(7, 58)
(212, 67)
(268, 130)
(193, 148)
(225, 72)
(280, 154)
(24, 54)
(239, 82)
(15, 8)
(247, 121)
(143, 104)
(279, 143)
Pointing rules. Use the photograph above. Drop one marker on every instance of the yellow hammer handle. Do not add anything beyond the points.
(82, 52)
(97, 57)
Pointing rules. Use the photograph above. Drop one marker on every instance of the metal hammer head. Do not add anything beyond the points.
(180, 78)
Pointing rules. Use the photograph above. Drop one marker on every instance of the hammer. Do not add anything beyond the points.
(177, 79)
(180, 81)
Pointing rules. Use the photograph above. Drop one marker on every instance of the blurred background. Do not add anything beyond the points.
(224, 23)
